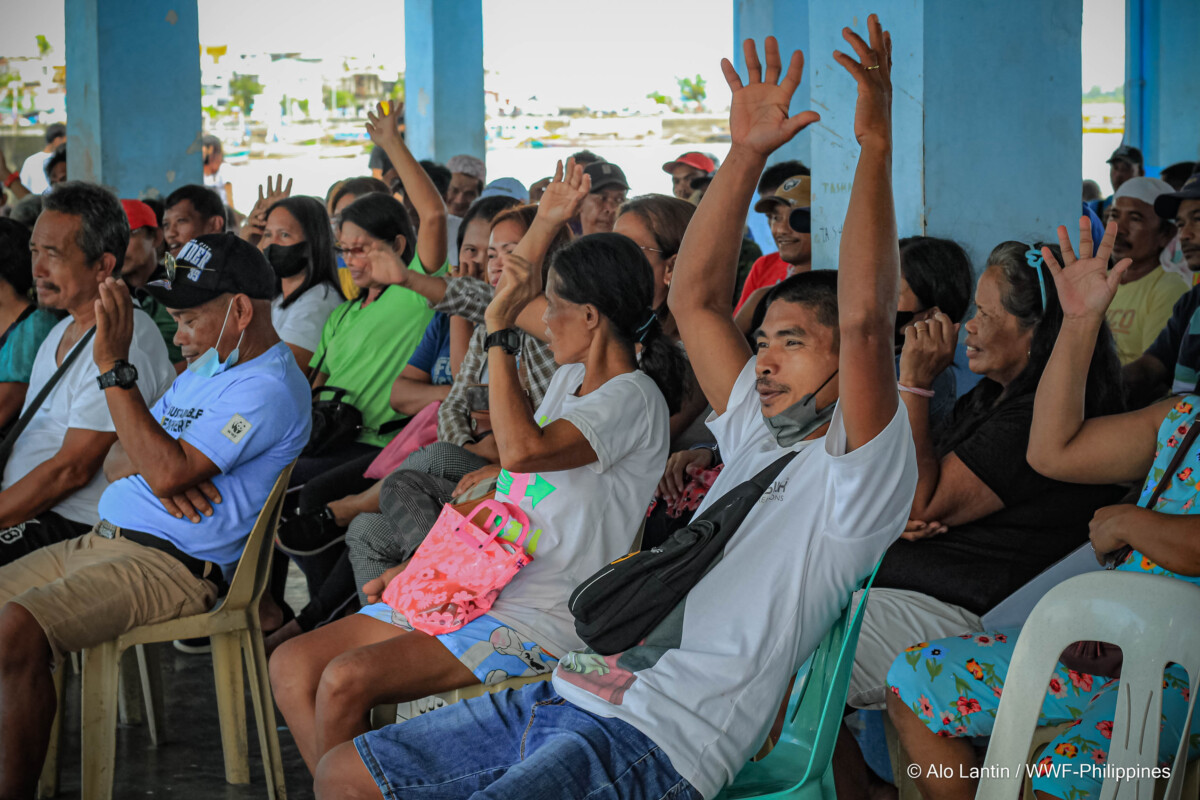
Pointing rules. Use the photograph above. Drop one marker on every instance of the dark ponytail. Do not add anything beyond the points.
(610, 272)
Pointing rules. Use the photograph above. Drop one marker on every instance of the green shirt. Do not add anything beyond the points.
(164, 322)
(365, 348)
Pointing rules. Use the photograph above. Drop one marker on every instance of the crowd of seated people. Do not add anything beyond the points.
(607, 367)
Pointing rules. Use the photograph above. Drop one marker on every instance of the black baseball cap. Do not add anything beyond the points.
(1126, 153)
(605, 174)
(210, 266)
(1167, 205)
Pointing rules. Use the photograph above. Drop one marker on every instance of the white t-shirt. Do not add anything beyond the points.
(301, 323)
(583, 518)
(78, 402)
(452, 225)
(33, 173)
(216, 182)
(708, 682)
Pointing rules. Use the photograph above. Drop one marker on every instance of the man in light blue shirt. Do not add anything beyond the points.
(189, 477)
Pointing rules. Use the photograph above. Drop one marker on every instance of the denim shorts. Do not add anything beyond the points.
(528, 744)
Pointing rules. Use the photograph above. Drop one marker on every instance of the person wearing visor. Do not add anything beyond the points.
(685, 170)
(788, 211)
(190, 474)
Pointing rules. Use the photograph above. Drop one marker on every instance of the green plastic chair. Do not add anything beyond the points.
(800, 765)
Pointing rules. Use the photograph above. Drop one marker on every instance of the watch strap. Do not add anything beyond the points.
(507, 339)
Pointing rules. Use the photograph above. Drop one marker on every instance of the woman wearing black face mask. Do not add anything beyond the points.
(297, 240)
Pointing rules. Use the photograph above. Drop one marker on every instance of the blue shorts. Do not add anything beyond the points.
(528, 744)
(493, 651)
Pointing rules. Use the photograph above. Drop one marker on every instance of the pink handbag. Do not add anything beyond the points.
(459, 570)
(420, 431)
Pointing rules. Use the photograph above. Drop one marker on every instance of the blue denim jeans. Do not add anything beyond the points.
(528, 744)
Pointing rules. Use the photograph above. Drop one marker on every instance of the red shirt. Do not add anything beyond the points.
(767, 271)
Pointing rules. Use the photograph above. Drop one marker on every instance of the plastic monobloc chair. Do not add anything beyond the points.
(234, 629)
(800, 764)
(1152, 619)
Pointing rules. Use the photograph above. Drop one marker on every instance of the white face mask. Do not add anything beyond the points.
(209, 363)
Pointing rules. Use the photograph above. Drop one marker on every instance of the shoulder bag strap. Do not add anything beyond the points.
(325, 352)
(11, 438)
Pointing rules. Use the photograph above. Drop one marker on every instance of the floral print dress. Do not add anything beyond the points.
(954, 685)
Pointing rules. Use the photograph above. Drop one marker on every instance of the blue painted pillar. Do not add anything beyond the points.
(133, 95)
(787, 21)
(1162, 68)
(985, 111)
(443, 78)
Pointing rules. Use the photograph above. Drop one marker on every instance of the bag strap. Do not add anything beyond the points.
(10, 440)
(1180, 453)
(761, 481)
(325, 352)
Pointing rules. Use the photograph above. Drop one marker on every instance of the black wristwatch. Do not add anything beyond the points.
(508, 340)
(123, 375)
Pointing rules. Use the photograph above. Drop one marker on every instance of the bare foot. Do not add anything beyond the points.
(289, 630)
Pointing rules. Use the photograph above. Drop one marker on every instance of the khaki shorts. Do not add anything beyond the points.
(90, 590)
(896, 619)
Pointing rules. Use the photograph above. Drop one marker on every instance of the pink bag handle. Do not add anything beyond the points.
(506, 511)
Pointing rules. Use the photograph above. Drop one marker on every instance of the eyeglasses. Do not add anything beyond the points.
(349, 252)
(171, 266)
(652, 249)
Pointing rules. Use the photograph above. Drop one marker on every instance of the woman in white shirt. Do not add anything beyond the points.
(298, 242)
(582, 467)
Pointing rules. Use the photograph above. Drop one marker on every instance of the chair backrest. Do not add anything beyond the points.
(1012, 611)
(254, 567)
(1152, 619)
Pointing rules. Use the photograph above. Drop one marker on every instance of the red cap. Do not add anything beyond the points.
(693, 159)
(139, 214)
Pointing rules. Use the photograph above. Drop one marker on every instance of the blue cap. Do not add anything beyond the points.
(506, 187)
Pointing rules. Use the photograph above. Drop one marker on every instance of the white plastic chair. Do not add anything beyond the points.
(1153, 619)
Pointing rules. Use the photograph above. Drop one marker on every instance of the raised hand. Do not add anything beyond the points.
(384, 126)
(519, 284)
(256, 220)
(564, 194)
(758, 113)
(114, 324)
(386, 264)
(873, 74)
(1085, 285)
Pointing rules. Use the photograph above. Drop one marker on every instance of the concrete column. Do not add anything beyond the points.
(1162, 80)
(443, 78)
(985, 119)
(787, 21)
(133, 95)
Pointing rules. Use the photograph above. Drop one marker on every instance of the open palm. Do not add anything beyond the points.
(758, 113)
(1085, 284)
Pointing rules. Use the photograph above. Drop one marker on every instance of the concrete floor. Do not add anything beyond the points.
(188, 764)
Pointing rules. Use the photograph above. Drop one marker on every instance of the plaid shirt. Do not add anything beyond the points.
(469, 298)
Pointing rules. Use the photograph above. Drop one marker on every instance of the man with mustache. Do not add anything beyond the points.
(1174, 358)
(794, 244)
(1143, 302)
(53, 480)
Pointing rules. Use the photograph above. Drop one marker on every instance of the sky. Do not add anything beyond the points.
(555, 50)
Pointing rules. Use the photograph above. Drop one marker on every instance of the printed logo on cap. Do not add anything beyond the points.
(196, 255)
(789, 184)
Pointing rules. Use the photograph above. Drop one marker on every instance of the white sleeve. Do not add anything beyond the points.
(147, 352)
(617, 418)
(870, 489)
(742, 420)
(303, 321)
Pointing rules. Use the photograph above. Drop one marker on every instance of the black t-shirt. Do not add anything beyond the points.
(1178, 345)
(379, 160)
(978, 564)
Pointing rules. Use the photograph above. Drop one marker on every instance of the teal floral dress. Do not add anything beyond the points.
(954, 685)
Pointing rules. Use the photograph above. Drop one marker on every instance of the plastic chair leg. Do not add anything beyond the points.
(48, 781)
(150, 672)
(264, 712)
(98, 700)
(231, 704)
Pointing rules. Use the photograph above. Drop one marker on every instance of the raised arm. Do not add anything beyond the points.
(1062, 444)
(869, 258)
(702, 285)
(431, 237)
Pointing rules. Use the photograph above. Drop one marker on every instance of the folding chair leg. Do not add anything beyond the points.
(150, 671)
(48, 781)
(264, 711)
(231, 704)
(98, 727)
